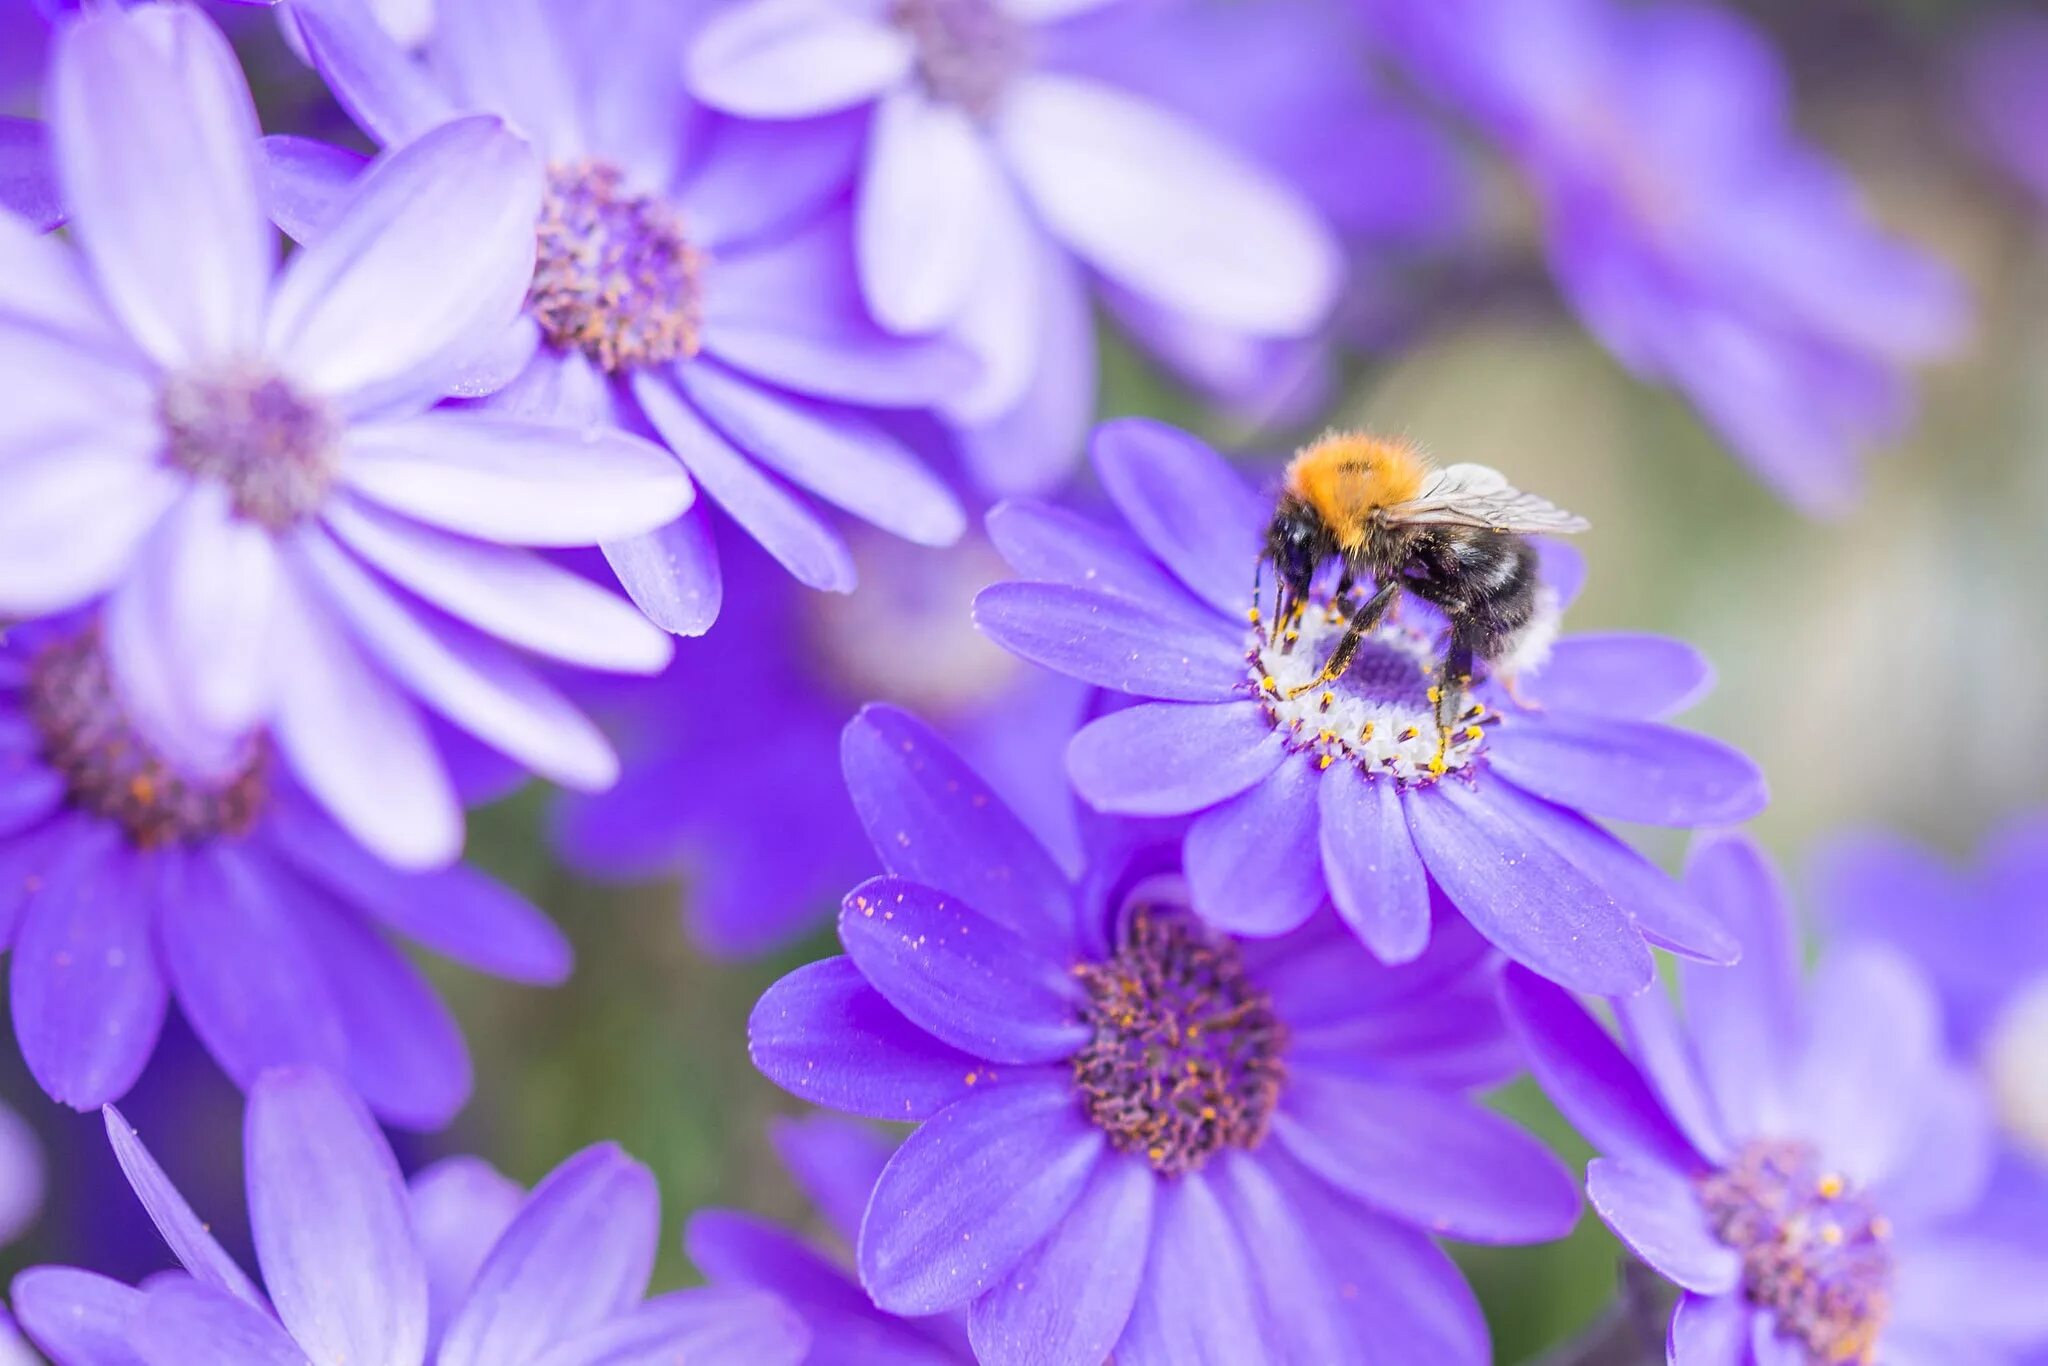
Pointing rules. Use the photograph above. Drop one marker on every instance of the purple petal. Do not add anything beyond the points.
(1531, 901)
(1196, 1302)
(780, 59)
(1376, 877)
(1050, 544)
(923, 211)
(306, 183)
(189, 1239)
(1031, 448)
(1254, 864)
(507, 57)
(460, 1207)
(438, 233)
(768, 512)
(1972, 1289)
(1658, 1214)
(1440, 1162)
(933, 820)
(729, 204)
(389, 96)
(1190, 508)
(705, 1324)
(1015, 317)
(87, 995)
(1623, 676)
(622, 62)
(157, 146)
(1172, 758)
(1950, 1164)
(1165, 211)
(181, 1322)
(28, 174)
(1114, 642)
(1665, 1055)
(963, 978)
(1588, 1077)
(518, 482)
(1710, 1331)
(671, 574)
(578, 1254)
(1630, 770)
(835, 1162)
(840, 456)
(824, 1035)
(77, 1317)
(28, 794)
(1066, 1302)
(971, 1192)
(73, 520)
(1743, 1019)
(332, 1224)
(1874, 1036)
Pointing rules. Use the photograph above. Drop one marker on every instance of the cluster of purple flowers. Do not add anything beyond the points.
(557, 442)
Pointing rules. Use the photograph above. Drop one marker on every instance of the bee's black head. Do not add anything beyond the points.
(1298, 542)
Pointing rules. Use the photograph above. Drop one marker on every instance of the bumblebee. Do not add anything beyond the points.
(1451, 536)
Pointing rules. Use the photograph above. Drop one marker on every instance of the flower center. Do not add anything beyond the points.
(967, 50)
(1186, 1055)
(248, 429)
(2016, 1064)
(614, 277)
(1814, 1253)
(112, 772)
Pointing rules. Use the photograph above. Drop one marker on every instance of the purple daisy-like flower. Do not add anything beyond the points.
(1980, 936)
(1702, 242)
(289, 536)
(1341, 795)
(1801, 1167)
(462, 1269)
(998, 164)
(1140, 1136)
(710, 748)
(125, 881)
(688, 277)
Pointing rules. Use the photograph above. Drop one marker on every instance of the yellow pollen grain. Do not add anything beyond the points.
(1831, 1234)
(1324, 761)
(1410, 733)
(1436, 764)
(1880, 1228)
(1830, 1187)
(1268, 684)
(1473, 732)
(1436, 694)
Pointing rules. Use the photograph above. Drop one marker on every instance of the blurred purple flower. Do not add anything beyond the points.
(1980, 936)
(124, 881)
(2002, 87)
(1299, 802)
(694, 279)
(712, 747)
(1798, 1167)
(290, 539)
(996, 168)
(463, 1269)
(1697, 236)
(1140, 1136)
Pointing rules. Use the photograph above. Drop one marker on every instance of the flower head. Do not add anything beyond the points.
(1803, 1167)
(459, 1269)
(1348, 793)
(686, 277)
(1137, 1132)
(126, 880)
(290, 538)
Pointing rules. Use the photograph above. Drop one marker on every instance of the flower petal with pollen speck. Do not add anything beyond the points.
(671, 574)
(1113, 642)
(1659, 1215)
(1376, 877)
(1710, 1330)
(1253, 863)
(75, 1315)
(1048, 543)
(1743, 1020)
(1630, 770)
(1172, 758)
(1196, 1302)
(190, 1240)
(1189, 507)
(922, 228)
(180, 1322)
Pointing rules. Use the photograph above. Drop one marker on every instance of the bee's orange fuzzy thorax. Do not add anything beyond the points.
(1345, 476)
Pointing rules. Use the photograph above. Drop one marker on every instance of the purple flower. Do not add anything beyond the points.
(724, 753)
(1980, 936)
(996, 168)
(289, 537)
(1334, 796)
(1695, 234)
(461, 1269)
(124, 881)
(693, 277)
(1797, 1166)
(1140, 1135)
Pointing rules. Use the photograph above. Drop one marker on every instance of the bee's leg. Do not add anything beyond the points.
(1449, 694)
(1364, 619)
(1343, 593)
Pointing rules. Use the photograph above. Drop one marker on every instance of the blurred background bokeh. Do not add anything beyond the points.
(1884, 668)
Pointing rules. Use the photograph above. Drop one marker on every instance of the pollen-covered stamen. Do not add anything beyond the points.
(250, 430)
(1186, 1055)
(967, 50)
(1814, 1252)
(614, 277)
(111, 772)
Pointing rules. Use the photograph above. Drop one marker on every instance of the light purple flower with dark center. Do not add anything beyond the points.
(997, 170)
(1802, 1165)
(1980, 936)
(125, 881)
(1141, 1137)
(462, 1269)
(1699, 238)
(290, 537)
(732, 754)
(692, 278)
(1341, 795)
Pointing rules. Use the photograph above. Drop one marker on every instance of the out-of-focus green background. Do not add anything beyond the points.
(1885, 668)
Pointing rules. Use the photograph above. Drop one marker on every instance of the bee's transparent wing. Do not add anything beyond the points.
(1477, 496)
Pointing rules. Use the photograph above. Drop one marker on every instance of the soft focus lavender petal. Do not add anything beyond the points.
(621, 56)
(28, 173)
(181, 1322)
(29, 792)
(1973, 1289)
(77, 1316)
(73, 519)
(1658, 1213)
(1190, 508)
(578, 1254)
(1710, 1330)
(1376, 878)
(306, 183)
(190, 1240)
(1630, 770)
(1744, 1020)
(671, 574)
(1032, 448)
(506, 56)
(1623, 675)
(1254, 863)
(835, 1162)
(1113, 642)
(1172, 758)
(1949, 1167)
(332, 1224)
(1197, 1301)
(460, 1207)
(780, 59)
(156, 141)
(729, 203)
(1051, 544)
(1015, 317)
(23, 1175)
(389, 96)
(1664, 1053)
(922, 228)
(1872, 1048)
(706, 1324)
